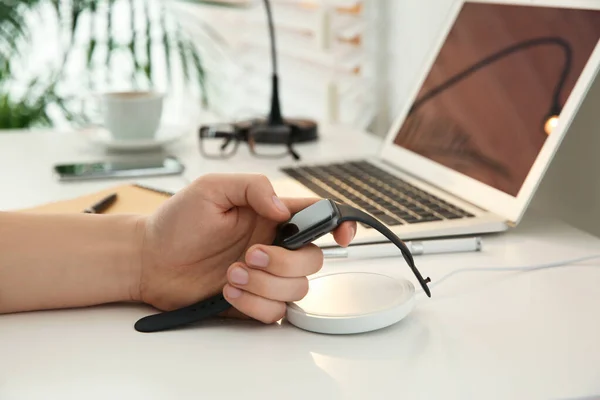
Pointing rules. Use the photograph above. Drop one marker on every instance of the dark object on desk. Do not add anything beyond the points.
(222, 141)
(155, 190)
(102, 205)
(303, 228)
(131, 167)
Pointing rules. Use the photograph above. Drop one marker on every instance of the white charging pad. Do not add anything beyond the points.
(352, 302)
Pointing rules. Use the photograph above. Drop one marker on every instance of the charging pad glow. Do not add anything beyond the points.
(352, 302)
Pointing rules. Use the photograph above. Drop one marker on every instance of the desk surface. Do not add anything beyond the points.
(529, 335)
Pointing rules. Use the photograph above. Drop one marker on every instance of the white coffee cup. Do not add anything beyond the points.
(132, 115)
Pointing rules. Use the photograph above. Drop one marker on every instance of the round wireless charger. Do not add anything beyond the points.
(352, 302)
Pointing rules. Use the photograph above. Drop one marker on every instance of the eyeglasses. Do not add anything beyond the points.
(221, 141)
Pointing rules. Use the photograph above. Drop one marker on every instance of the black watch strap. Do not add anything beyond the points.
(349, 213)
(183, 316)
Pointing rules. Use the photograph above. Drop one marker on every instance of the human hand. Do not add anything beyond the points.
(215, 236)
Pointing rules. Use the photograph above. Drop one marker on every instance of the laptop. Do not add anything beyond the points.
(482, 124)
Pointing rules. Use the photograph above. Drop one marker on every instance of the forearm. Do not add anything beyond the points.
(63, 261)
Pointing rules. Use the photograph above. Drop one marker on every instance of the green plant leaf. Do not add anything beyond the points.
(182, 48)
(166, 42)
(8, 44)
(201, 75)
(91, 48)
(90, 52)
(76, 10)
(16, 24)
(30, 110)
(132, 45)
(111, 42)
(5, 70)
(57, 7)
(149, 61)
(5, 111)
(12, 29)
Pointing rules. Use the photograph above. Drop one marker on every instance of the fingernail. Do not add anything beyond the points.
(258, 258)
(232, 292)
(353, 230)
(279, 204)
(239, 276)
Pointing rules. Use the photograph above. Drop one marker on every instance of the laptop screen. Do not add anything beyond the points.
(496, 89)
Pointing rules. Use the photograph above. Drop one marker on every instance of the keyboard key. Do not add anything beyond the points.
(438, 208)
(398, 211)
(450, 215)
(385, 203)
(392, 195)
(430, 218)
(427, 215)
(411, 220)
(406, 217)
(389, 220)
(420, 211)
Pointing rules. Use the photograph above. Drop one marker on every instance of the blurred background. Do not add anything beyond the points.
(56, 54)
(341, 61)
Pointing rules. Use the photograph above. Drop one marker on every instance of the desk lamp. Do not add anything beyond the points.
(552, 117)
(276, 129)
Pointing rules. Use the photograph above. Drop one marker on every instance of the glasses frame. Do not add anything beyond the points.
(237, 133)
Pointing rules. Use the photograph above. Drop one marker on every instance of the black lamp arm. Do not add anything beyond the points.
(275, 117)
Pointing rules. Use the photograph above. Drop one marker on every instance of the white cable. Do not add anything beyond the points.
(522, 268)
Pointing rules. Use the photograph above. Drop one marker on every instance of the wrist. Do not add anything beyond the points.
(135, 267)
(78, 260)
(122, 253)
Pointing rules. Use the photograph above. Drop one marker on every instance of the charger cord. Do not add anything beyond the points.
(563, 263)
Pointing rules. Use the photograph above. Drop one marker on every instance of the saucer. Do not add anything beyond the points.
(165, 135)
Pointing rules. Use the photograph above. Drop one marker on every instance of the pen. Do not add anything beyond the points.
(380, 250)
(155, 190)
(102, 205)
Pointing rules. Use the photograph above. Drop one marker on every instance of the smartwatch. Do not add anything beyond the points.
(303, 228)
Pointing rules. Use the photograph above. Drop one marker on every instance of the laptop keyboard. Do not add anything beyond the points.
(383, 195)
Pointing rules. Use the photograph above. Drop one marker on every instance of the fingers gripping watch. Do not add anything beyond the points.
(304, 227)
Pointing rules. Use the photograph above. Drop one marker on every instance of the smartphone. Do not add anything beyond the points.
(133, 167)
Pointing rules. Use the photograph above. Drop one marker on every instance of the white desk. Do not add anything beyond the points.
(486, 335)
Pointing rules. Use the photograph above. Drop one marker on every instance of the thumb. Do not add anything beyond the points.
(227, 191)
